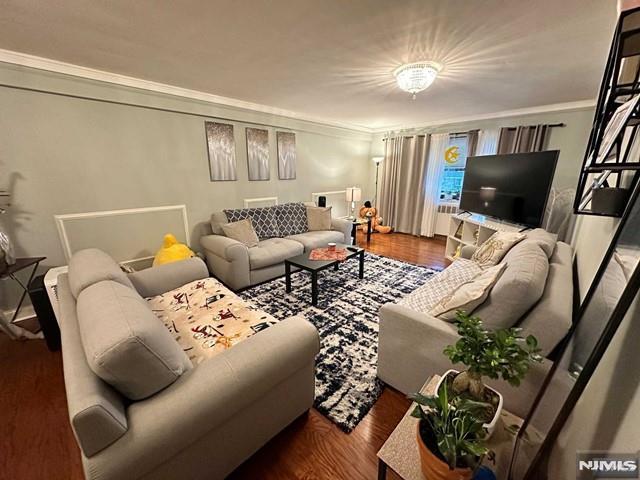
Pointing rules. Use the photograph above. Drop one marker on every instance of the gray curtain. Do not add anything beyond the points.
(472, 142)
(402, 192)
(523, 139)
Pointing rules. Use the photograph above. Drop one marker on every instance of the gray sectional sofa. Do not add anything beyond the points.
(283, 233)
(139, 408)
(535, 292)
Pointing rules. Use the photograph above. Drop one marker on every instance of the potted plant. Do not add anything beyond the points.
(450, 436)
(495, 354)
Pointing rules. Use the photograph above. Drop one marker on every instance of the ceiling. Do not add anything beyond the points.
(332, 59)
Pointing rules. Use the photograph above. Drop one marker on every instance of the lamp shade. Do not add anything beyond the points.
(377, 160)
(354, 194)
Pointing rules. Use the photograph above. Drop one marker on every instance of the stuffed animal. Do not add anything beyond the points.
(172, 251)
(369, 211)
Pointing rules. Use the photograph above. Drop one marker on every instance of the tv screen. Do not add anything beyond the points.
(512, 187)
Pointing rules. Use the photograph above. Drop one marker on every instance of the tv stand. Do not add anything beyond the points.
(472, 229)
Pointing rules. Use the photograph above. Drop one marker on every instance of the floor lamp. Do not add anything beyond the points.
(377, 161)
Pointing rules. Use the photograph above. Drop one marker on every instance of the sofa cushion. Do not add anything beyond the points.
(318, 218)
(546, 240)
(273, 251)
(518, 289)
(496, 247)
(441, 284)
(213, 320)
(312, 240)
(217, 220)
(469, 295)
(91, 266)
(125, 343)
(263, 220)
(291, 219)
(241, 231)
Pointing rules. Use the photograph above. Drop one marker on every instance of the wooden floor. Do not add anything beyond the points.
(36, 441)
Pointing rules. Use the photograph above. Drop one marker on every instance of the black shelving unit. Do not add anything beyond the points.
(620, 83)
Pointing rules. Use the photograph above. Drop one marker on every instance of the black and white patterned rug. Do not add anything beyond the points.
(347, 320)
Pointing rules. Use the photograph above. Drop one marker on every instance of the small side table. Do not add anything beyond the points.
(10, 272)
(400, 452)
(354, 228)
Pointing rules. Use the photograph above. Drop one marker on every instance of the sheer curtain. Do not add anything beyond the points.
(402, 193)
(435, 167)
(488, 141)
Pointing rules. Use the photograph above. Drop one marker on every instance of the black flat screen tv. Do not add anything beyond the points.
(511, 187)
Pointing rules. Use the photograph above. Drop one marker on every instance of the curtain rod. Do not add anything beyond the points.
(550, 125)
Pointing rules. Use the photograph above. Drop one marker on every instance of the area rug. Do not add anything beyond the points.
(347, 320)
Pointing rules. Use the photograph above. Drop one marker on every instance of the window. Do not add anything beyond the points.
(455, 159)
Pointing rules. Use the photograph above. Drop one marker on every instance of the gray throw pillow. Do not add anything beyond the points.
(518, 289)
(263, 220)
(90, 266)
(125, 344)
(546, 240)
(318, 218)
(241, 231)
(291, 219)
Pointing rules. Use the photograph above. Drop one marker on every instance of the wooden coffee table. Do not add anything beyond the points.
(314, 266)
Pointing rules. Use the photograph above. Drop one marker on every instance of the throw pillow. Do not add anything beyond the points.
(546, 240)
(242, 231)
(318, 218)
(263, 220)
(291, 219)
(469, 295)
(492, 251)
(518, 289)
(424, 298)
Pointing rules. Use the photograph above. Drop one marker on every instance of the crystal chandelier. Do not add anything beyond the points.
(415, 77)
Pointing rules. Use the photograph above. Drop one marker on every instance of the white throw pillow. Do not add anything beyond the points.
(498, 244)
(468, 295)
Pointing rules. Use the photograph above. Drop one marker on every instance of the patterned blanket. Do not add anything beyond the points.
(206, 318)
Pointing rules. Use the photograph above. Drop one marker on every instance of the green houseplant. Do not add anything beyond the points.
(495, 354)
(450, 436)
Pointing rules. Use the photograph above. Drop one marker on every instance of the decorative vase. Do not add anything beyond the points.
(489, 426)
(435, 469)
(6, 247)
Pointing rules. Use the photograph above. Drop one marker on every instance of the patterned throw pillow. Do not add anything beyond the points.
(468, 296)
(291, 219)
(263, 220)
(498, 244)
(438, 286)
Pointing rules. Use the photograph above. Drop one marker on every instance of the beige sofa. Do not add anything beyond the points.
(239, 267)
(535, 292)
(185, 421)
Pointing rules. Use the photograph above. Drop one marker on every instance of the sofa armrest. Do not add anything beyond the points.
(209, 395)
(344, 226)
(224, 247)
(467, 251)
(228, 260)
(157, 280)
(410, 346)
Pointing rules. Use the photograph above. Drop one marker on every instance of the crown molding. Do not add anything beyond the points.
(551, 108)
(41, 63)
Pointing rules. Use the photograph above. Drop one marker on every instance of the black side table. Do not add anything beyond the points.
(10, 272)
(354, 228)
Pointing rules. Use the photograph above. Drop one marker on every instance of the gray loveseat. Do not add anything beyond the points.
(159, 416)
(283, 233)
(535, 292)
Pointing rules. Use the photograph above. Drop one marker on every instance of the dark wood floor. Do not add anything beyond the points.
(36, 441)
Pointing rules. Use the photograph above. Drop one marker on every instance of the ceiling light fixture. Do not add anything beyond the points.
(417, 76)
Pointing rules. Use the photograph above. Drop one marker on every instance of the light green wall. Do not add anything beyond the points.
(75, 155)
(70, 155)
(571, 139)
